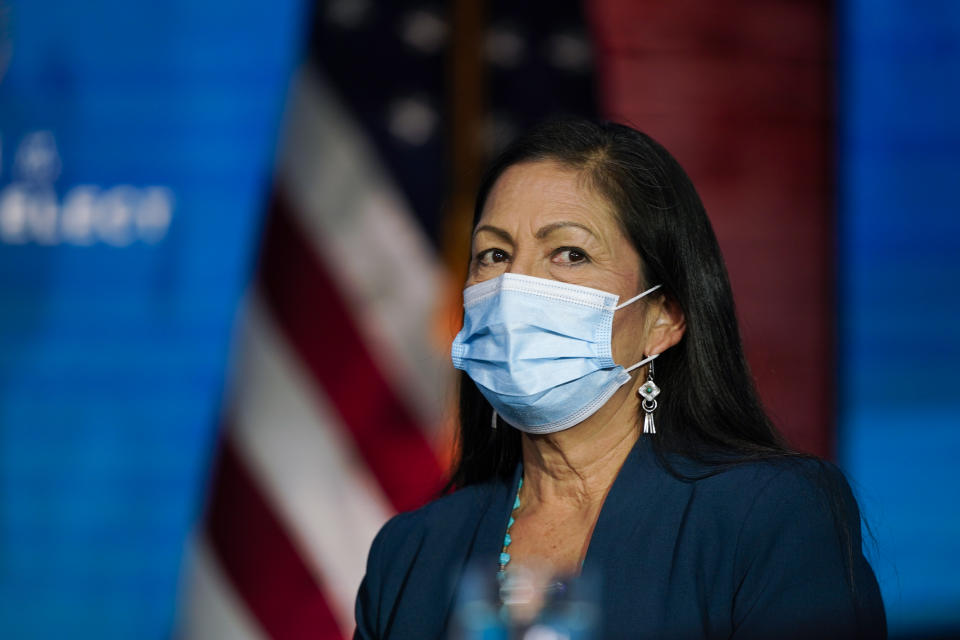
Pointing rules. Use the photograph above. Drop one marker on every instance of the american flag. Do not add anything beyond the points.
(340, 408)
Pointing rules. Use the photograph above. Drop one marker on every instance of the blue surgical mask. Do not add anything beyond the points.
(539, 350)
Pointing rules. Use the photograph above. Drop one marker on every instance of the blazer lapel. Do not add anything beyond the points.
(471, 534)
(634, 540)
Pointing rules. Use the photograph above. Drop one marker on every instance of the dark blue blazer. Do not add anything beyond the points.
(751, 552)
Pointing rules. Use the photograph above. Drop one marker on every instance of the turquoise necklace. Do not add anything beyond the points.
(553, 588)
(504, 553)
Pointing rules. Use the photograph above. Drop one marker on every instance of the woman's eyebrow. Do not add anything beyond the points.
(497, 231)
(546, 230)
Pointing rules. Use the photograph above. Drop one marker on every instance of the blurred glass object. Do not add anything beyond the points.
(527, 603)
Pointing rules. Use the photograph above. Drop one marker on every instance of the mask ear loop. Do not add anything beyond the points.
(637, 297)
(630, 301)
(639, 364)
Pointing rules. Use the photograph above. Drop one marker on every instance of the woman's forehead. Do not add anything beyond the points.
(543, 192)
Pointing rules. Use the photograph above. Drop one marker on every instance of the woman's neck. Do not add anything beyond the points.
(575, 468)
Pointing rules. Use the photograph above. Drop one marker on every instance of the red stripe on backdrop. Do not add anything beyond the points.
(255, 552)
(316, 320)
(740, 94)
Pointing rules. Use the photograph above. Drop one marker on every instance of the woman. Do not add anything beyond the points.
(609, 424)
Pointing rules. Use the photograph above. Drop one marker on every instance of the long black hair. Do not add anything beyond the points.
(710, 405)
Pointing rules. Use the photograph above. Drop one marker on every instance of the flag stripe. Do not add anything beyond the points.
(304, 461)
(254, 550)
(319, 326)
(355, 217)
(213, 609)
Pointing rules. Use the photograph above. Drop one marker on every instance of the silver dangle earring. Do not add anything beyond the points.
(649, 392)
(493, 418)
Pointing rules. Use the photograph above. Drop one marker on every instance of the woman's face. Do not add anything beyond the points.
(540, 220)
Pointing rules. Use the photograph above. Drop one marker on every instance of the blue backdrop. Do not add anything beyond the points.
(136, 140)
(899, 259)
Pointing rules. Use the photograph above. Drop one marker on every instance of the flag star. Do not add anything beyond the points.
(423, 30)
(349, 14)
(412, 120)
(504, 47)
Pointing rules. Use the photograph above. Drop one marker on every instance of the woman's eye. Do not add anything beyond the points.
(569, 255)
(492, 256)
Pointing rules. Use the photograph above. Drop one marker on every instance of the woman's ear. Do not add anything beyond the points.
(668, 327)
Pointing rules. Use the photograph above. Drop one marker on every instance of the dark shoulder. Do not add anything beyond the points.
(803, 481)
(743, 498)
(802, 498)
(794, 529)
(399, 546)
(446, 511)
